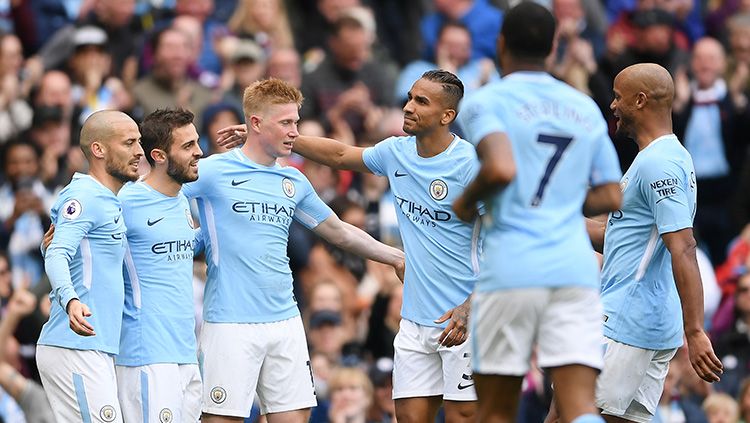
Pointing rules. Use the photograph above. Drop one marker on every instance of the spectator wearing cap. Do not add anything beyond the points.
(217, 116)
(94, 88)
(124, 38)
(247, 65)
(383, 409)
(168, 84)
(326, 335)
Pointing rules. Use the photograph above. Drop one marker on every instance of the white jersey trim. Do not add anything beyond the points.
(211, 223)
(648, 254)
(134, 281)
(87, 264)
(475, 245)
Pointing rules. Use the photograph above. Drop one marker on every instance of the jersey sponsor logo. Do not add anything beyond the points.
(438, 189)
(265, 212)
(108, 413)
(665, 188)
(398, 175)
(235, 183)
(175, 250)
(165, 416)
(615, 215)
(420, 214)
(150, 222)
(190, 220)
(218, 395)
(288, 186)
(72, 209)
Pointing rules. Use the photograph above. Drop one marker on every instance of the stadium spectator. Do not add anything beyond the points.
(15, 112)
(263, 21)
(168, 84)
(482, 18)
(721, 408)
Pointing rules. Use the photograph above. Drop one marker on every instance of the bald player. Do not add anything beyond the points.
(651, 288)
(77, 345)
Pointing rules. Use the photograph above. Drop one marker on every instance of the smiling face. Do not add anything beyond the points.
(123, 151)
(425, 109)
(183, 154)
(623, 107)
(277, 127)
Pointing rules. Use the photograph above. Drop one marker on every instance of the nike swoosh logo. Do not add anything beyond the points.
(235, 183)
(116, 236)
(149, 222)
(398, 175)
(117, 219)
(462, 387)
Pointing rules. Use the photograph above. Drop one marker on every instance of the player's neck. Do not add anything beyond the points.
(104, 178)
(433, 143)
(254, 152)
(163, 183)
(651, 131)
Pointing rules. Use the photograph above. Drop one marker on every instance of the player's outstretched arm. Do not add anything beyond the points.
(603, 198)
(681, 245)
(498, 170)
(331, 153)
(359, 242)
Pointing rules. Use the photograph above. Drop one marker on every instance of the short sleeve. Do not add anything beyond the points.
(477, 120)
(606, 165)
(376, 158)
(663, 187)
(311, 211)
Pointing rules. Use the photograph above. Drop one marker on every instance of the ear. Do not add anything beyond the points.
(98, 150)
(640, 100)
(254, 123)
(448, 116)
(158, 156)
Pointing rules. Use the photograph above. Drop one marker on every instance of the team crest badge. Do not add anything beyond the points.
(165, 416)
(72, 209)
(218, 395)
(108, 413)
(189, 216)
(438, 189)
(624, 183)
(288, 187)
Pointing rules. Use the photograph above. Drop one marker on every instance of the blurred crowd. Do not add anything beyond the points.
(355, 61)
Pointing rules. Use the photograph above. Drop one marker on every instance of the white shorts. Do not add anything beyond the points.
(632, 381)
(80, 384)
(163, 393)
(422, 368)
(241, 359)
(564, 323)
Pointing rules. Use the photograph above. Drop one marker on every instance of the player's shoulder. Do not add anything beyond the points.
(396, 141)
(85, 188)
(132, 190)
(463, 150)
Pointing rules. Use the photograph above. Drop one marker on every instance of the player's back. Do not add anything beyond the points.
(158, 320)
(560, 147)
(87, 209)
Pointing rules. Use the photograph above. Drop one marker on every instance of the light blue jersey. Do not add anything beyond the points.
(245, 210)
(537, 235)
(441, 251)
(158, 324)
(641, 304)
(83, 262)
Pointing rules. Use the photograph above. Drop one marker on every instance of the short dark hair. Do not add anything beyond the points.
(453, 24)
(157, 127)
(18, 142)
(453, 88)
(529, 31)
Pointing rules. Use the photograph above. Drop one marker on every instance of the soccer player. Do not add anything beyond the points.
(77, 344)
(426, 170)
(651, 287)
(545, 155)
(253, 340)
(157, 368)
